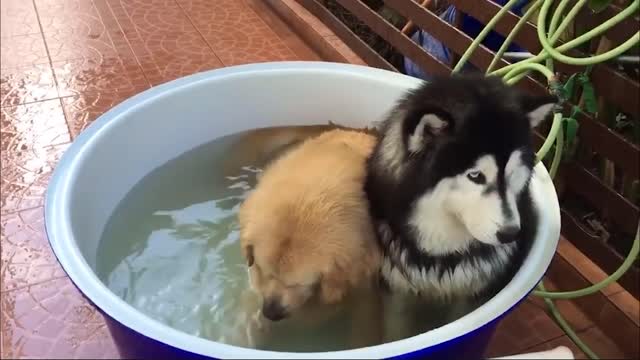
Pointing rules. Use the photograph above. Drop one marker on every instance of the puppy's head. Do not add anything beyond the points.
(284, 288)
(292, 264)
(463, 145)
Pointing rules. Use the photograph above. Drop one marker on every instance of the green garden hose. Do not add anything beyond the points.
(515, 72)
(512, 34)
(599, 30)
(557, 156)
(476, 42)
(553, 25)
(594, 59)
(564, 325)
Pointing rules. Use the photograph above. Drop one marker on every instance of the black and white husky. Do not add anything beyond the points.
(449, 186)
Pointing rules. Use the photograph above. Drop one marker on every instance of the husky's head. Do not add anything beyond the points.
(457, 153)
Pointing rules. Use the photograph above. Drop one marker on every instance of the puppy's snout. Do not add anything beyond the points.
(508, 234)
(273, 310)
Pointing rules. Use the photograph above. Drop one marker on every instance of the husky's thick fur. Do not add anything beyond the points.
(448, 184)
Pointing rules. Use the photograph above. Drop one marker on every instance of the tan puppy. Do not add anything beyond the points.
(261, 146)
(306, 231)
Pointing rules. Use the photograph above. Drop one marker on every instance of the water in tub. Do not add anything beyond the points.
(171, 250)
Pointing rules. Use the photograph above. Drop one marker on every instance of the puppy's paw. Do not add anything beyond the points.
(256, 330)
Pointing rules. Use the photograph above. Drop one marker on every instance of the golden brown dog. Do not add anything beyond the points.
(262, 146)
(305, 230)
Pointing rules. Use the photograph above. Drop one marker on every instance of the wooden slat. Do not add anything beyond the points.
(608, 143)
(601, 254)
(618, 89)
(345, 34)
(514, 333)
(583, 182)
(455, 39)
(619, 33)
(586, 267)
(612, 85)
(603, 313)
(628, 305)
(401, 42)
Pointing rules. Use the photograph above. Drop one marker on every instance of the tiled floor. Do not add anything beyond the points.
(64, 62)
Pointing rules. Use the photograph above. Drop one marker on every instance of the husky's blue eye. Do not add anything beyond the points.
(477, 177)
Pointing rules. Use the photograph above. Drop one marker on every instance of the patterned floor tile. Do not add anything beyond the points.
(99, 76)
(162, 68)
(27, 258)
(17, 17)
(27, 84)
(83, 109)
(85, 22)
(71, 46)
(33, 139)
(53, 320)
(150, 16)
(22, 50)
(235, 32)
(159, 29)
(61, 7)
(178, 45)
(33, 126)
(25, 176)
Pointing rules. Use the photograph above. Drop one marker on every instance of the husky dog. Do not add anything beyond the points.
(448, 184)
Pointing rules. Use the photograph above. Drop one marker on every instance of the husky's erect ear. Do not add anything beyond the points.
(537, 107)
(420, 128)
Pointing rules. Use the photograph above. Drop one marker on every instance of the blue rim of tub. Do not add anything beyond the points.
(58, 229)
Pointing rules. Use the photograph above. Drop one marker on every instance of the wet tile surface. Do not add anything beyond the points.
(52, 320)
(27, 258)
(235, 32)
(83, 109)
(34, 137)
(159, 69)
(18, 17)
(105, 75)
(71, 46)
(27, 84)
(22, 50)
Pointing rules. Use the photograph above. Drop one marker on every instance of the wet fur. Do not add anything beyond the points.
(265, 145)
(305, 230)
(434, 135)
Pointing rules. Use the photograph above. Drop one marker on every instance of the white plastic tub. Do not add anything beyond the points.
(143, 132)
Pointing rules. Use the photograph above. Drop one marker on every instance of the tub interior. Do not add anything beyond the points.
(164, 127)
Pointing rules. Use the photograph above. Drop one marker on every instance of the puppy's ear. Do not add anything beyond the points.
(537, 107)
(422, 127)
(248, 254)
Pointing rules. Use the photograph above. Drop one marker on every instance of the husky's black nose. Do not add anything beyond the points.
(273, 310)
(508, 234)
